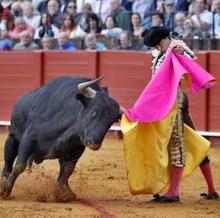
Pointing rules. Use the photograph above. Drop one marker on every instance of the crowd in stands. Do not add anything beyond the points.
(102, 24)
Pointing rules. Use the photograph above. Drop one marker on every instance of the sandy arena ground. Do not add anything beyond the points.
(101, 187)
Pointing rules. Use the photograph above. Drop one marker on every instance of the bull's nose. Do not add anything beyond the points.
(92, 145)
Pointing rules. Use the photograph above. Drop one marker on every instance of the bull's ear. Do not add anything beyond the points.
(105, 89)
(84, 100)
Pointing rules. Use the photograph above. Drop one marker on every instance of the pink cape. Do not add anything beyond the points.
(159, 96)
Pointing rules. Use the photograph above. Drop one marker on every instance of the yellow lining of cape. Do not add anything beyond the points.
(146, 153)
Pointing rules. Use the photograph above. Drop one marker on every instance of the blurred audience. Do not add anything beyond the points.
(92, 44)
(83, 17)
(126, 41)
(64, 43)
(47, 43)
(5, 42)
(169, 14)
(30, 15)
(110, 29)
(107, 19)
(54, 12)
(6, 4)
(20, 26)
(46, 27)
(136, 28)
(121, 15)
(71, 9)
(93, 24)
(26, 42)
(202, 18)
(179, 24)
(71, 28)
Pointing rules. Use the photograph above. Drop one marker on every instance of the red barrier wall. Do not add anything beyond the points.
(20, 72)
(56, 63)
(214, 93)
(125, 73)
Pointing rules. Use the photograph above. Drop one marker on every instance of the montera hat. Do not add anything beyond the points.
(155, 34)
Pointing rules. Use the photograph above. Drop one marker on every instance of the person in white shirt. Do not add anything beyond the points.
(111, 30)
(31, 15)
(202, 18)
(215, 32)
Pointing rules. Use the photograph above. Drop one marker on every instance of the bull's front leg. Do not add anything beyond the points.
(63, 192)
(21, 163)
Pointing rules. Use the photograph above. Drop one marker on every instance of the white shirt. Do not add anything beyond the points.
(100, 7)
(205, 16)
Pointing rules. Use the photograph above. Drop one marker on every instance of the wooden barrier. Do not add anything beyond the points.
(56, 63)
(214, 93)
(125, 73)
(20, 72)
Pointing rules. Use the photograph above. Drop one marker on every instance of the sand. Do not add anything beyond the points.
(100, 184)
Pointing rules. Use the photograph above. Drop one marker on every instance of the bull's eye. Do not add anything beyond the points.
(93, 113)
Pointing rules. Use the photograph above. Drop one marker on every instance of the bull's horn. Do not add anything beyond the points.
(121, 110)
(85, 89)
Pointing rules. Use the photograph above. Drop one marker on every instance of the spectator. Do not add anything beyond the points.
(169, 14)
(7, 21)
(111, 30)
(182, 5)
(140, 6)
(127, 4)
(93, 24)
(31, 17)
(202, 18)
(20, 26)
(26, 42)
(121, 15)
(179, 23)
(6, 4)
(42, 6)
(157, 19)
(190, 31)
(5, 41)
(54, 12)
(16, 9)
(216, 24)
(47, 43)
(81, 3)
(71, 28)
(92, 44)
(36, 3)
(46, 27)
(86, 11)
(64, 43)
(137, 29)
(156, 5)
(101, 8)
(126, 41)
(72, 10)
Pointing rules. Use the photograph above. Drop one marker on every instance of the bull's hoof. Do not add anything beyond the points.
(60, 194)
(5, 189)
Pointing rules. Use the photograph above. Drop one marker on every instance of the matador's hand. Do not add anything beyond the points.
(178, 49)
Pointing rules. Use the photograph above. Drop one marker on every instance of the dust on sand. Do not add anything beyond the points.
(100, 184)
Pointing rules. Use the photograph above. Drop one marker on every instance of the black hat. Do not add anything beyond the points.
(154, 35)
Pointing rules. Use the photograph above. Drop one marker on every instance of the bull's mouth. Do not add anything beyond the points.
(93, 147)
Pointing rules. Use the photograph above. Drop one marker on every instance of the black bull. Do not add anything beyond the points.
(57, 121)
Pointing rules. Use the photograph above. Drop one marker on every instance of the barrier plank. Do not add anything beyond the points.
(125, 73)
(214, 93)
(56, 63)
(20, 72)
